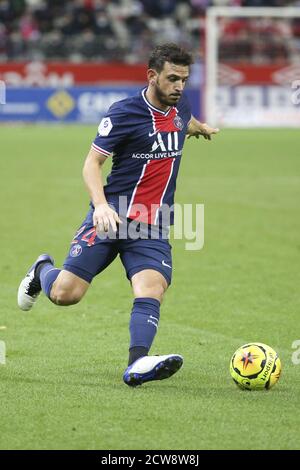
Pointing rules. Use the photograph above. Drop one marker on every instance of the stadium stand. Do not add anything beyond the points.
(126, 30)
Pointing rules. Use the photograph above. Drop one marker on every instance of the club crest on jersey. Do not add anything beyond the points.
(75, 251)
(105, 127)
(178, 122)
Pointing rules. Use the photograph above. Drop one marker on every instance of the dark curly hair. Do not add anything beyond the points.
(169, 52)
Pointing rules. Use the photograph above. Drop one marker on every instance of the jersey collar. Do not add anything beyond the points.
(164, 113)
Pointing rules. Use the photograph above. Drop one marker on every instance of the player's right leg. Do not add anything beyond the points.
(67, 289)
(30, 286)
(60, 286)
(87, 257)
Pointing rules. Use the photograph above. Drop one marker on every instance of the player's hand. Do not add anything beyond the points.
(202, 129)
(104, 217)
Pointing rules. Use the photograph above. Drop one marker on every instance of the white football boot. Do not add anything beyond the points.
(149, 368)
(30, 286)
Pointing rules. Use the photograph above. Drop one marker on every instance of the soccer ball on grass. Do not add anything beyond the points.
(255, 366)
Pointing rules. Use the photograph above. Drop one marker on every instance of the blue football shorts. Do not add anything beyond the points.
(89, 254)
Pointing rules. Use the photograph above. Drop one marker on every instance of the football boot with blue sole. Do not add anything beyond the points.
(148, 368)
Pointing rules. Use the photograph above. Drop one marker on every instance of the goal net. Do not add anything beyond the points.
(252, 67)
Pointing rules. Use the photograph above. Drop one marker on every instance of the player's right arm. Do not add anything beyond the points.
(104, 216)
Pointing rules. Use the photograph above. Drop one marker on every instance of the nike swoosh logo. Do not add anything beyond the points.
(165, 264)
(151, 134)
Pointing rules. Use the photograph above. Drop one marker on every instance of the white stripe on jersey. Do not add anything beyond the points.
(136, 186)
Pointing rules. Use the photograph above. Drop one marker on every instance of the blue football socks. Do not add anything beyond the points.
(48, 275)
(143, 325)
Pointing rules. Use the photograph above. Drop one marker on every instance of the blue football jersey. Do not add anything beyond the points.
(146, 148)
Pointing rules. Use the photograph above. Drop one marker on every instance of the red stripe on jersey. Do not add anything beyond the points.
(150, 190)
(164, 123)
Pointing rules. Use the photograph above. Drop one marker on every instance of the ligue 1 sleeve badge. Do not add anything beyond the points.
(178, 122)
(105, 127)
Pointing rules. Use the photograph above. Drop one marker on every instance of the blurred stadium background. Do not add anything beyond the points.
(64, 63)
(68, 60)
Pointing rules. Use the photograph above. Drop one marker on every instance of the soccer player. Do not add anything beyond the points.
(144, 135)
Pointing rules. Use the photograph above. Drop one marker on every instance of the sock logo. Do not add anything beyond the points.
(153, 320)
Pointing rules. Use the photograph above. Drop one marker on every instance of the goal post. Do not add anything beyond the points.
(233, 96)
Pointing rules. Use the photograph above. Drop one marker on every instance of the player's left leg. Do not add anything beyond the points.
(148, 288)
(149, 285)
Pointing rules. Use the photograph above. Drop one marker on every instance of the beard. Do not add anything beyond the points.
(166, 100)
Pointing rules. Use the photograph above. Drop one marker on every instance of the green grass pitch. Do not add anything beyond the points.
(61, 387)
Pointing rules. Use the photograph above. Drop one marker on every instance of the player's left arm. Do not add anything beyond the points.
(197, 128)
